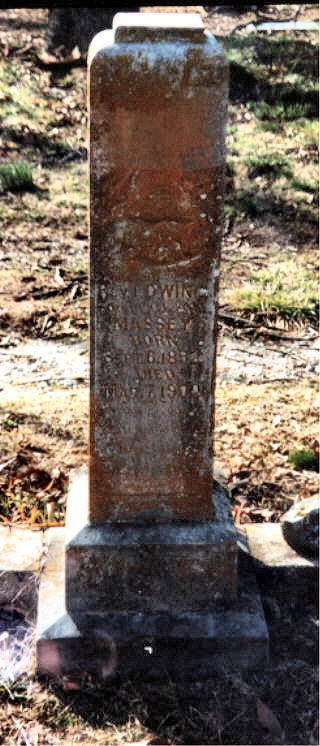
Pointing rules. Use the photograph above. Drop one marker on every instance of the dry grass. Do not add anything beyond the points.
(225, 709)
(253, 452)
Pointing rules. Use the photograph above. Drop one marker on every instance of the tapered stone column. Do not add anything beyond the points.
(158, 93)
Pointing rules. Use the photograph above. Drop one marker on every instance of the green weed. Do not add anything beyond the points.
(300, 111)
(267, 54)
(50, 711)
(270, 126)
(265, 111)
(304, 459)
(68, 82)
(282, 112)
(10, 423)
(283, 289)
(270, 165)
(229, 169)
(17, 177)
(242, 202)
(310, 131)
(232, 111)
(302, 185)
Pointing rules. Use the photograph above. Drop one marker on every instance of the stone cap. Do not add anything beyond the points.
(141, 27)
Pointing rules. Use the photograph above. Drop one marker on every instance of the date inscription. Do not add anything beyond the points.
(153, 349)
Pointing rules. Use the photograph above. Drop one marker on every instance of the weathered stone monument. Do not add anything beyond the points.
(151, 573)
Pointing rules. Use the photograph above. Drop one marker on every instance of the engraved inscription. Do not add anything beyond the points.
(151, 354)
(148, 391)
(151, 371)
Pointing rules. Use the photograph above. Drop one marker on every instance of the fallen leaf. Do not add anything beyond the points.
(237, 512)
(268, 719)
(74, 291)
(7, 463)
(50, 510)
(51, 483)
(4, 639)
(34, 514)
(58, 276)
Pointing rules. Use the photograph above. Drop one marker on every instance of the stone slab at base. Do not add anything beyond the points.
(176, 566)
(272, 558)
(21, 556)
(184, 644)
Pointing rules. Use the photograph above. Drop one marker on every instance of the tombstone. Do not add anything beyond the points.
(151, 556)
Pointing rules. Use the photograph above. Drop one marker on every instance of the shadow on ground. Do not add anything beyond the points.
(276, 705)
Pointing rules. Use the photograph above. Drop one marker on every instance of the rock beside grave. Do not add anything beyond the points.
(300, 526)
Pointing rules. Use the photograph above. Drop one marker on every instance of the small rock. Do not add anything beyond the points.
(300, 526)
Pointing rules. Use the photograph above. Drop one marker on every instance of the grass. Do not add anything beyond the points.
(270, 165)
(32, 497)
(302, 185)
(282, 107)
(280, 55)
(304, 458)
(246, 203)
(271, 115)
(219, 710)
(310, 131)
(10, 423)
(284, 289)
(17, 177)
(24, 103)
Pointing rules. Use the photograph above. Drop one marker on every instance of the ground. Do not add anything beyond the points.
(266, 375)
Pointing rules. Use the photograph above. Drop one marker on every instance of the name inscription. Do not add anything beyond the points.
(154, 343)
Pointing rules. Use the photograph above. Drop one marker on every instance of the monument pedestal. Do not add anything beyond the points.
(150, 568)
(119, 599)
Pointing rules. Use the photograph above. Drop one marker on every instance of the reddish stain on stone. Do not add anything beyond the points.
(157, 150)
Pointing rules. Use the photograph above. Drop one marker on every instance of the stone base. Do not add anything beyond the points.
(149, 568)
(21, 554)
(226, 627)
(190, 644)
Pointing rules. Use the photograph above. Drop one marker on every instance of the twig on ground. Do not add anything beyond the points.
(7, 463)
(271, 380)
(79, 379)
(272, 331)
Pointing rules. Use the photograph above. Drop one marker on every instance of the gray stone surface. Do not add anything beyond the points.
(21, 555)
(190, 644)
(271, 555)
(300, 526)
(20, 549)
(181, 566)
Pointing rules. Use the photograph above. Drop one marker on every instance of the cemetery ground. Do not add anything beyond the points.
(266, 416)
